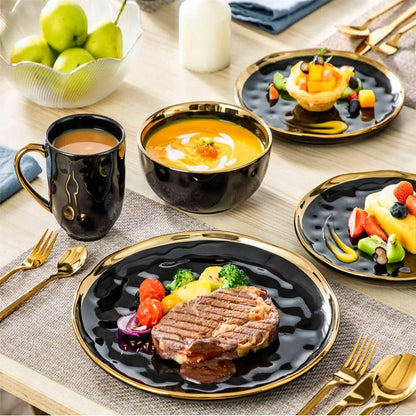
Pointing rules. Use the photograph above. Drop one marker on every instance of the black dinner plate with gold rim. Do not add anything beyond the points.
(251, 93)
(309, 312)
(337, 197)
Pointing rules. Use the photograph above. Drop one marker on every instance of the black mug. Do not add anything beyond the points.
(86, 191)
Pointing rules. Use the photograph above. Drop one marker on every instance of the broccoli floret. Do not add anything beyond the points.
(181, 278)
(233, 277)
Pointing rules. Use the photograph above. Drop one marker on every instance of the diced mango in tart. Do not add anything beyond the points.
(318, 87)
(314, 86)
(366, 98)
(328, 85)
(315, 72)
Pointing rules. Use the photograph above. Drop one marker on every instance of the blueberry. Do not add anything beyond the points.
(353, 83)
(354, 107)
(318, 60)
(304, 67)
(398, 210)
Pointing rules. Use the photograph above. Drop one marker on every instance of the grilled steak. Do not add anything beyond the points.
(226, 324)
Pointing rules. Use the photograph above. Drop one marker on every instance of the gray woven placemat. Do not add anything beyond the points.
(40, 334)
(403, 63)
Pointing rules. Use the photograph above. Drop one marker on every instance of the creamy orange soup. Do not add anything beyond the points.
(203, 145)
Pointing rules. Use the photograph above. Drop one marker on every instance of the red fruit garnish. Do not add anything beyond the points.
(372, 228)
(352, 96)
(356, 222)
(411, 204)
(402, 191)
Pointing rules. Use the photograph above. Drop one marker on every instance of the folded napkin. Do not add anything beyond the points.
(273, 16)
(9, 184)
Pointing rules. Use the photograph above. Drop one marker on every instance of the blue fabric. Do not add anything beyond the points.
(273, 16)
(9, 184)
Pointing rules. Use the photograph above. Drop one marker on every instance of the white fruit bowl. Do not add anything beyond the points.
(90, 82)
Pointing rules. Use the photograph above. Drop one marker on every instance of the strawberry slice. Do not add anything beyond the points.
(402, 191)
(372, 228)
(356, 222)
(411, 204)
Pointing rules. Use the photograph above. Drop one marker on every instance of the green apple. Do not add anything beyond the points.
(71, 59)
(32, 48)
(64, 24)
(106, 41)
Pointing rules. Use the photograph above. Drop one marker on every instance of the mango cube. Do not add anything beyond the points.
(315, 72)
(328, 85)
(314, 86)
(366, 98)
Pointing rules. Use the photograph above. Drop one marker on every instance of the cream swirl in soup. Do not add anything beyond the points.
(201, 145)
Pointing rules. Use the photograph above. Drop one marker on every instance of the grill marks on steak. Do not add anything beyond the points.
(226, 324)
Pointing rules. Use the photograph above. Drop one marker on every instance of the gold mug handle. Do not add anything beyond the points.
(32, 147)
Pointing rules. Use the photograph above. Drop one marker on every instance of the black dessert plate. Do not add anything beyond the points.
(251, 93)
(337, 197)
(309, 312)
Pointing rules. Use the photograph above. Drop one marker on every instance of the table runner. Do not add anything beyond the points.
(403, 63)
(40, 335)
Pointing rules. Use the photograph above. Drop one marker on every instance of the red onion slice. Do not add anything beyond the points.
(129, 325)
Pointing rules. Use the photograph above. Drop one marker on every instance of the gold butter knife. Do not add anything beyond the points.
(380, 33)
(361, 393)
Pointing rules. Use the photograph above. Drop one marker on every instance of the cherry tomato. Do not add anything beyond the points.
(150, 312)
(151, 288)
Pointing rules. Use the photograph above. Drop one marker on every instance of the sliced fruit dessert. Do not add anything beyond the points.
(316, 85)
(394, 210)
(382, 230)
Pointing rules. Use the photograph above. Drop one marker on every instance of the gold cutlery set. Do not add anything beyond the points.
(371, 39)
(392, 380)
(70, 262)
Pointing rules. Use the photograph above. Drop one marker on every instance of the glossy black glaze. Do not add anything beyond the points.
(205, 193)
(254, 96)
(86, 191)
(339, 201)
(305, 315)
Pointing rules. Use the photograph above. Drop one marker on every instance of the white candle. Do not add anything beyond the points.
(204, 35)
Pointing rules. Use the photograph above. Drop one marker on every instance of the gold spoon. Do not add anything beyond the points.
(70, 262)
(362, 30)
(394, 382)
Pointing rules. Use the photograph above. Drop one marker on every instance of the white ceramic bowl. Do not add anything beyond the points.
(87, 84)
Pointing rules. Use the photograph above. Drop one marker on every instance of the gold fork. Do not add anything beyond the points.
(36, 257)
(349, 373)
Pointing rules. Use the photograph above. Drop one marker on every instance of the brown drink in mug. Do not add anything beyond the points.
(85, 160)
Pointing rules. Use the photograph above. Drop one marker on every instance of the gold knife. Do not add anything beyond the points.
(361, 393)
(380, 33)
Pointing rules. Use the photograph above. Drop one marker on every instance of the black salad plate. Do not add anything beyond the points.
(309, 312)
(286, 116)
(337, 197)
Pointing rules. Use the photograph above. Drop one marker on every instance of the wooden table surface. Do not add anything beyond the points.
(157, 80)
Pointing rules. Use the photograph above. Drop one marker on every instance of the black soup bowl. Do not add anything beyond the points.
(208, 191)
